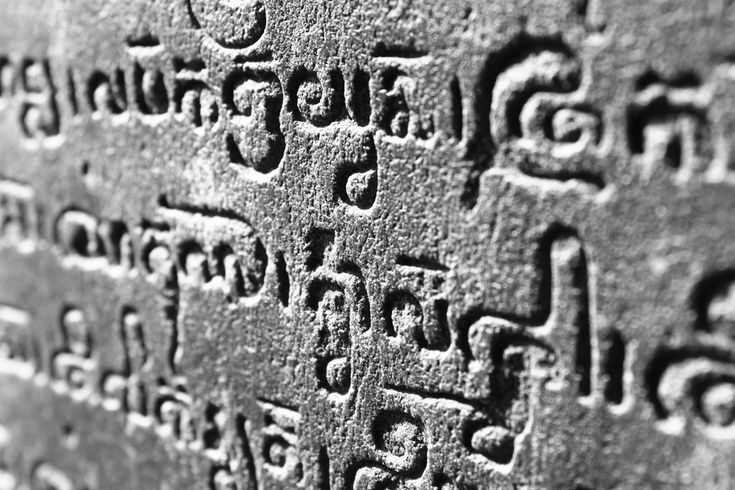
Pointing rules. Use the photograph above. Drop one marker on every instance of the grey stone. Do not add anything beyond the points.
(448, 244)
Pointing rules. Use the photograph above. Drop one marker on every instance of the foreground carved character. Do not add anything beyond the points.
(258, 244)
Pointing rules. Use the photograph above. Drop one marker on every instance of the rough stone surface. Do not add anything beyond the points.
(374, 244)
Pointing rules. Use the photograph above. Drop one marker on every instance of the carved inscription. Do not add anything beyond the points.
(39, 113)
(400, 111)
(319, 98)
(128, 369)
(195, 101)
(232, 25)
(336, 294)
(676, 127)
(538, 117)
(106, 93)
(20, 216)
(281, 458)
(415, 310)
(400, 453)
(285, 316)
(253, 101)
(504, 360)
(125, 389)
(73, 362)
(669, 127)
(692, 381)
(30, 83)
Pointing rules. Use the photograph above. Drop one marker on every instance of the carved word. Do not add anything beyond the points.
(211, 252)
(563, 344)
(400, 453)
(400, 110)
(127, 370)
(73, 363)
(126, 389)
(253, 100)
(693, 382)
(78, 367)
(416, 309)
(336, 293)
(538, 119)
(357, 172)
(671, 128)
(30, 83)
(20, 217)
(496, 362)
(194, 100)
(534, 109)
(280, 454)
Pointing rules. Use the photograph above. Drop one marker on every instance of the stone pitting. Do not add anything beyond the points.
(259, 244)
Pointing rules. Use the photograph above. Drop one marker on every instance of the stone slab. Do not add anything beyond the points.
(378, 244)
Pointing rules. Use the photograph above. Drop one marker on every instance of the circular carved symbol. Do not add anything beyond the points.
(718, 404)
(235, 24)
(400, 437)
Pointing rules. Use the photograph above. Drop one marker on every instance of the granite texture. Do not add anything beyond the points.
(375, 244)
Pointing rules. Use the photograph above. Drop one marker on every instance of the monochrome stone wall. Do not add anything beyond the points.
(375, 244)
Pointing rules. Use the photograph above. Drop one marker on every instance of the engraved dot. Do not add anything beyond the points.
(718, 404)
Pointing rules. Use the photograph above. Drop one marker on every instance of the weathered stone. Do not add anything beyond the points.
(450, 244)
